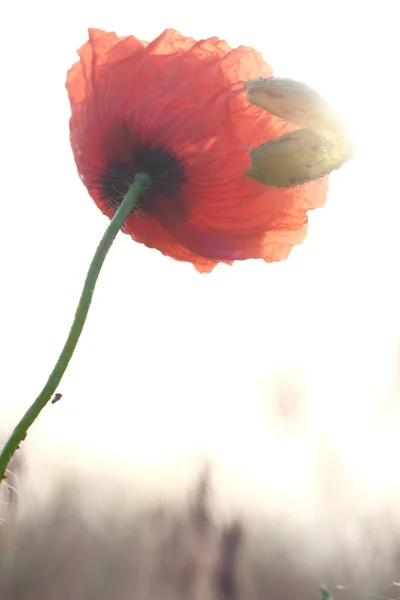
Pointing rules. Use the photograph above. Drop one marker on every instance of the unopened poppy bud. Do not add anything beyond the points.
(294, 101)
(297, 157)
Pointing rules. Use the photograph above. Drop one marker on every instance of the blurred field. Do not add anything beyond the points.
(177, 552)
(334, 529)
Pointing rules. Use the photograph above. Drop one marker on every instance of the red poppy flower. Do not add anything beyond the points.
(177, 109)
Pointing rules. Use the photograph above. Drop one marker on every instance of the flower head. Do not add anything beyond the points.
(178, 110)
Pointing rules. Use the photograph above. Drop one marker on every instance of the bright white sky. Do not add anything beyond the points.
(172, 363)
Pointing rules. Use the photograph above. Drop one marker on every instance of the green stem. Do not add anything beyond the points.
(141, 182)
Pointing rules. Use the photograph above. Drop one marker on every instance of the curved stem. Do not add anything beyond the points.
(141, 182)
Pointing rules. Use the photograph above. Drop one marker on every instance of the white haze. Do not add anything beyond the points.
(173, 367)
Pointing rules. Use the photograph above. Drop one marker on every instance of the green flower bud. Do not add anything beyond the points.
(294, 101)
(297, 157)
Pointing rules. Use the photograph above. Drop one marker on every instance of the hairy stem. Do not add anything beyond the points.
(141, 182)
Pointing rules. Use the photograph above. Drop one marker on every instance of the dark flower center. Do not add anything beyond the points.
(165, 170)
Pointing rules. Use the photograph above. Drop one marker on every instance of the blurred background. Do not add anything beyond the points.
(283, 378)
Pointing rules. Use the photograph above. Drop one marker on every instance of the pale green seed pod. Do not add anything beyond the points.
(294, 101)
(296, 158)
(314, 151)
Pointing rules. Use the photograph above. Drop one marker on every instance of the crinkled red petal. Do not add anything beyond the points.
(189, 97)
